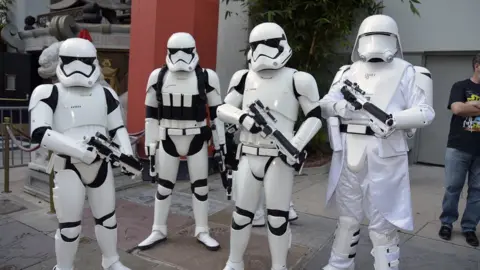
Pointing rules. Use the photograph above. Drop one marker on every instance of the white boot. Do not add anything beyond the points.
(210, 243)
(117, 266)
(385, 250)
(345, 244)
(292, 214)
(234, 266)
(329, 267)
(159, 228)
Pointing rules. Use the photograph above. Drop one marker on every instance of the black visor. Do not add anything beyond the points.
(272, 42)
(185, 50)
(69, 59)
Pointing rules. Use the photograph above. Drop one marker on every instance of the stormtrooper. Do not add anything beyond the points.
(259, 218)
(175, 126)
(369, 170)
(62, 114)
(283, 90)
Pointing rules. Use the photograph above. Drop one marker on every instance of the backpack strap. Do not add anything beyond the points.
(159, 85)
(202, 83)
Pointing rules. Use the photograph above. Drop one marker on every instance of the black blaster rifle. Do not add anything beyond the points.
(355, 96)
(152, 162)
(110, 152)
(266, 121)
(220, 160)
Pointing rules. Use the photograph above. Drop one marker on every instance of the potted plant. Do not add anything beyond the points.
(5, 6)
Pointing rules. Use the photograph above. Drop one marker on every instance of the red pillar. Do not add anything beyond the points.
(153, 22)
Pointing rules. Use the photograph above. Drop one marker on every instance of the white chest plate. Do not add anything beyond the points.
(80, 110)
(380, 81)
(180, 83)
(274, 89)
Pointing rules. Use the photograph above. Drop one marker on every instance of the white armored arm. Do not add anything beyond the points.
(116, 127)
(151, 114)
(330, 102)
(418, 113)
(42, 106)
(308, 98)
(423, 80)
(214, 100)
(230, 112)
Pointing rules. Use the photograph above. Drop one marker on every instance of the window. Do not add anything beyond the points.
(10, 82)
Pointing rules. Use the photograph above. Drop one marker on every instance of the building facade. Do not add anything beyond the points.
(444, 39)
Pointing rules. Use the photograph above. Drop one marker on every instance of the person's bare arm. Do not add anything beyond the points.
(471, 108)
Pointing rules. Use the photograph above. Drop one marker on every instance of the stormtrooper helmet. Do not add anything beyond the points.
(181, 52)
(249, 59)
(78, 64)
(377, 40)
(269, 47)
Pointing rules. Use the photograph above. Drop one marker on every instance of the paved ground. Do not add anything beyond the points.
(26, 230)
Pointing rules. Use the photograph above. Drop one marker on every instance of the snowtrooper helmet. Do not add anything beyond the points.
(78, 64)
(269, 47)
(377, 40)
(181, 52)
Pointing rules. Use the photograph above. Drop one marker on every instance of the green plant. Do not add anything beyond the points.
(5, 6)
(316, 30)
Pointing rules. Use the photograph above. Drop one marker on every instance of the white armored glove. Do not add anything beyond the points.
(343, 108)
(249, 123)
(381, 131)
(90, 155)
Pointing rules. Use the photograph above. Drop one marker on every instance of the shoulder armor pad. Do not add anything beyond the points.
(152, 79)
(213, 80)
(114, 94)
(237, 78)
(305, 85)
(43, 91)
(339, 74)
(422, 70)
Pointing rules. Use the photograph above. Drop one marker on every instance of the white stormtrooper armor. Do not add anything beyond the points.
(62, 115)
(283, 90)
(423, 81)
(259, 218)
(369, 169)
(175, 126)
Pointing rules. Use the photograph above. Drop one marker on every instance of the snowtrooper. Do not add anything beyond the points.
(175, 126)
(283, 90)
(62, 115)
(369, 170)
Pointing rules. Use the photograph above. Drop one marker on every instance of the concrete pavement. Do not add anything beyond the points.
(26, 230)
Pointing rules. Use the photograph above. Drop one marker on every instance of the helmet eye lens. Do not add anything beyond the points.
(378, 34)
(69, 59)
(185, 50)
(272, 42)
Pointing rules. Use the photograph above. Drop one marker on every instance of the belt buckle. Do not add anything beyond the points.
(356, 129)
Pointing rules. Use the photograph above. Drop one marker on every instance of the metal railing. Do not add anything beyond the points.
(16, 118)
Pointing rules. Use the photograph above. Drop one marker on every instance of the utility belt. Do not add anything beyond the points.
(256, 151)
(205, 131)
(356, 129)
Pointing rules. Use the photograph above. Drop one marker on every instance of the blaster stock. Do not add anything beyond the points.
(355, 96)
(266, 121)
(110, 152)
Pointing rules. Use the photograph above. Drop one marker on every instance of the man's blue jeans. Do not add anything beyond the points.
(457, 165)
